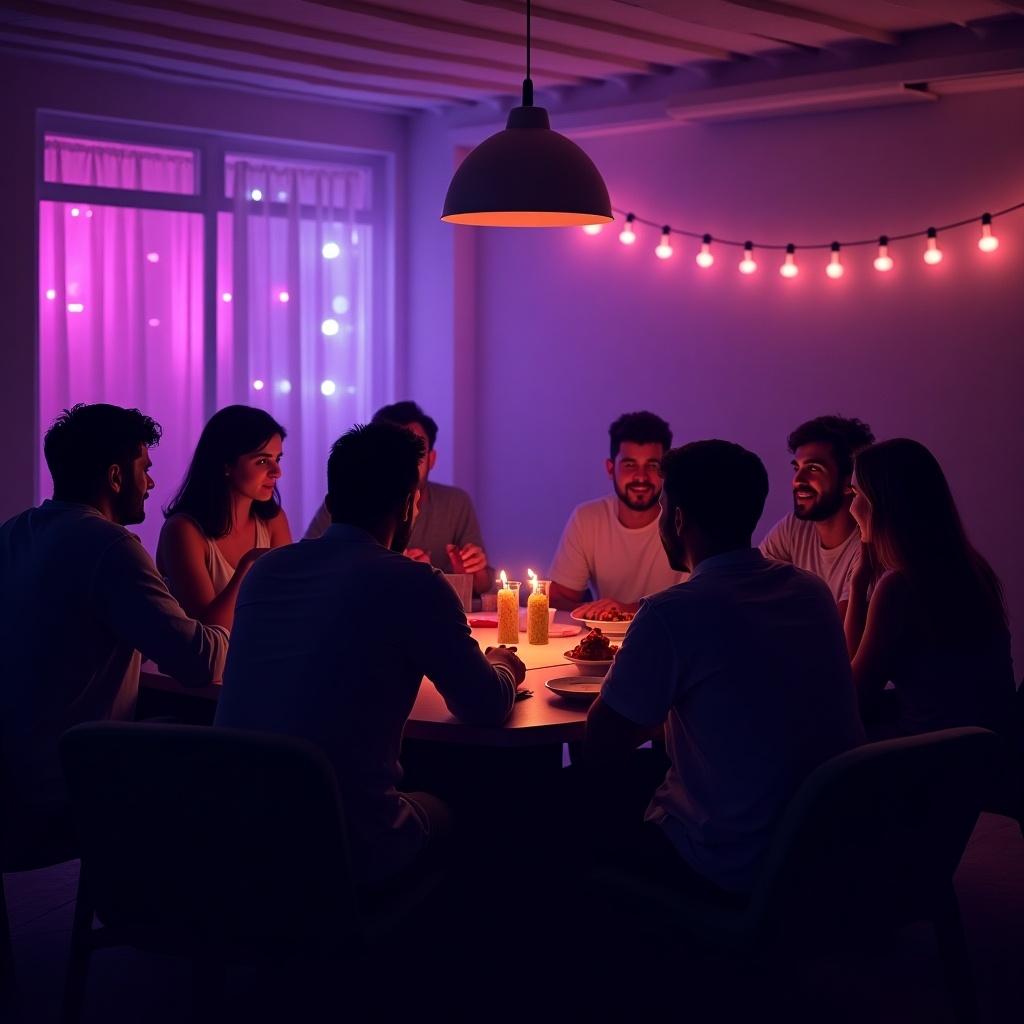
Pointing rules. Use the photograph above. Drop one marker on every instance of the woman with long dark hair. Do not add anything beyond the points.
(935, 624)
(226, 513)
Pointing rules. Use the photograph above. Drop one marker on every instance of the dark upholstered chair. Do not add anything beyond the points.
(221, 845)
(869, 843)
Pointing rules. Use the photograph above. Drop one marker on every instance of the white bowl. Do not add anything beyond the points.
(586, 667)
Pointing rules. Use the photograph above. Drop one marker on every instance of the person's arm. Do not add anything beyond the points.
(182, 552)
(877, 651)
(478, 689)
(130, 595)
(853, 604)
(318, 524)
(280, 531)
(776, 544)
(570, 568)
(594, 609)
(637, 694)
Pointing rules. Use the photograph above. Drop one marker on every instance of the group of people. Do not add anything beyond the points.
(865, 611)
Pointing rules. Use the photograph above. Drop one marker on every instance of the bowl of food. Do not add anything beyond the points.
(614, 623)
(593, 655)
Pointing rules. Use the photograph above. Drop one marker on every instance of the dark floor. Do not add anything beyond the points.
(898, 983)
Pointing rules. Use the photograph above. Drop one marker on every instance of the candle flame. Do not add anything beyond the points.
(533, 579)
(504, 580)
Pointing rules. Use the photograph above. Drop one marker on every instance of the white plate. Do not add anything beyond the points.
(608, 628)
(576, 687)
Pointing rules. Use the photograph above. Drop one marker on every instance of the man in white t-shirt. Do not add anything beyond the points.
(611, 545)
(745, 666)
(819, 535)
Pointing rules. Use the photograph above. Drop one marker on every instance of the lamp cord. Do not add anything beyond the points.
(528, 81)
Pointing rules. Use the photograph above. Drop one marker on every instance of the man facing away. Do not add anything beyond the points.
(446, 533)
(746, 667)
(820, 535)
(80, 604)
(317, 651)
(611, 544)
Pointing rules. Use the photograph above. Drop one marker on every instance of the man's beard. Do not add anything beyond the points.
(130, 509)
(644, 505)
(826, 506)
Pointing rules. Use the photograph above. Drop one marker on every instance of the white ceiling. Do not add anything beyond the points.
(409, 55)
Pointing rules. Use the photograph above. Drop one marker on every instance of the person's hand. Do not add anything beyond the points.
(246, 562)
(867, 570)
(418, 555)
(471, 556)
(507, 656)
(594, 609)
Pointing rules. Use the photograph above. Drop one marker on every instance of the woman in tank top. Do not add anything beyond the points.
(934, 624)
(226, 513)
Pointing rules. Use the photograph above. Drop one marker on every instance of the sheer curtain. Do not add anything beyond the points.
(294, 327)
(121, 301)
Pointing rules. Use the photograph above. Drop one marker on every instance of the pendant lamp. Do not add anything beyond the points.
(527, 176)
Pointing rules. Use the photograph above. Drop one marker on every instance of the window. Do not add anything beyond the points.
(186, 276)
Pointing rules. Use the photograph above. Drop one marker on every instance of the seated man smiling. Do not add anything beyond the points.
(611, 544)
(317, 651)
(745, 666)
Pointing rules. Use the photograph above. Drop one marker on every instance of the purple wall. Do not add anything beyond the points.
(30, 85)
(573, 330)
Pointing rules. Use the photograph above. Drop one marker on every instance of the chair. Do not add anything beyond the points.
(221, 845)
(869, 843)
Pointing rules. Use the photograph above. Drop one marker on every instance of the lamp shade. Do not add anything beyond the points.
(527, 176)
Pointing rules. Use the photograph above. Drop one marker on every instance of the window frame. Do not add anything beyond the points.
(210, 199)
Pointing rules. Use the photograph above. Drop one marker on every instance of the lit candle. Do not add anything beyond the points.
(508, 610)
(537, 610)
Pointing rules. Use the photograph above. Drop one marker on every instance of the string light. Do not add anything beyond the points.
(225, 296)
(329, 328)
(256, 195)
(988, 242)
(704, 257)
(627, 236)
(664, 247)
(257, 385)
(835, 268)
(592, 229)
(789, 267)
(748, 264)
(284, 386)
(883, 261)
(51, 293)
(330, 250)
(327, 388)
(283, 296)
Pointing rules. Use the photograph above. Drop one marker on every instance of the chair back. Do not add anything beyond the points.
(874, 835)
(216, 838)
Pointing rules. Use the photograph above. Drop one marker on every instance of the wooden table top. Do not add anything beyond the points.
(543, 719)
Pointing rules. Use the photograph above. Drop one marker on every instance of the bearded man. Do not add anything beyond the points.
(611, 545)
(820, 535)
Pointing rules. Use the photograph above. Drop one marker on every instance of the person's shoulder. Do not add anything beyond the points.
(448, 492)
(891, 587)
(182, 527)
(595, 509)
(794, 580)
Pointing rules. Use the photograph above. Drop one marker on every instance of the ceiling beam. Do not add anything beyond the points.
(460, 28)
(609, 27)
(301, 30)
(106, 22)
(795, 13)
(113, 46)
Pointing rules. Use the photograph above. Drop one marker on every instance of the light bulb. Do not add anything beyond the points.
(330, 250)
(628, 236)
(257, 385)
(256, 195)
(75, 211)
(835, 268)
(51, 293)
(704, 257)
(76, 307)
(748, 264)
(883, 261)
(988, 242)
(933, 254)
(329, 328)
(225, 296)
(153, 257)
(664, 248)
(592, 229)
(283, 296)
(327, 388)
(789, 267)
(284, 386)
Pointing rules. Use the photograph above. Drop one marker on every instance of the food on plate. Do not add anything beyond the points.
(611, 615)
(594, 647)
